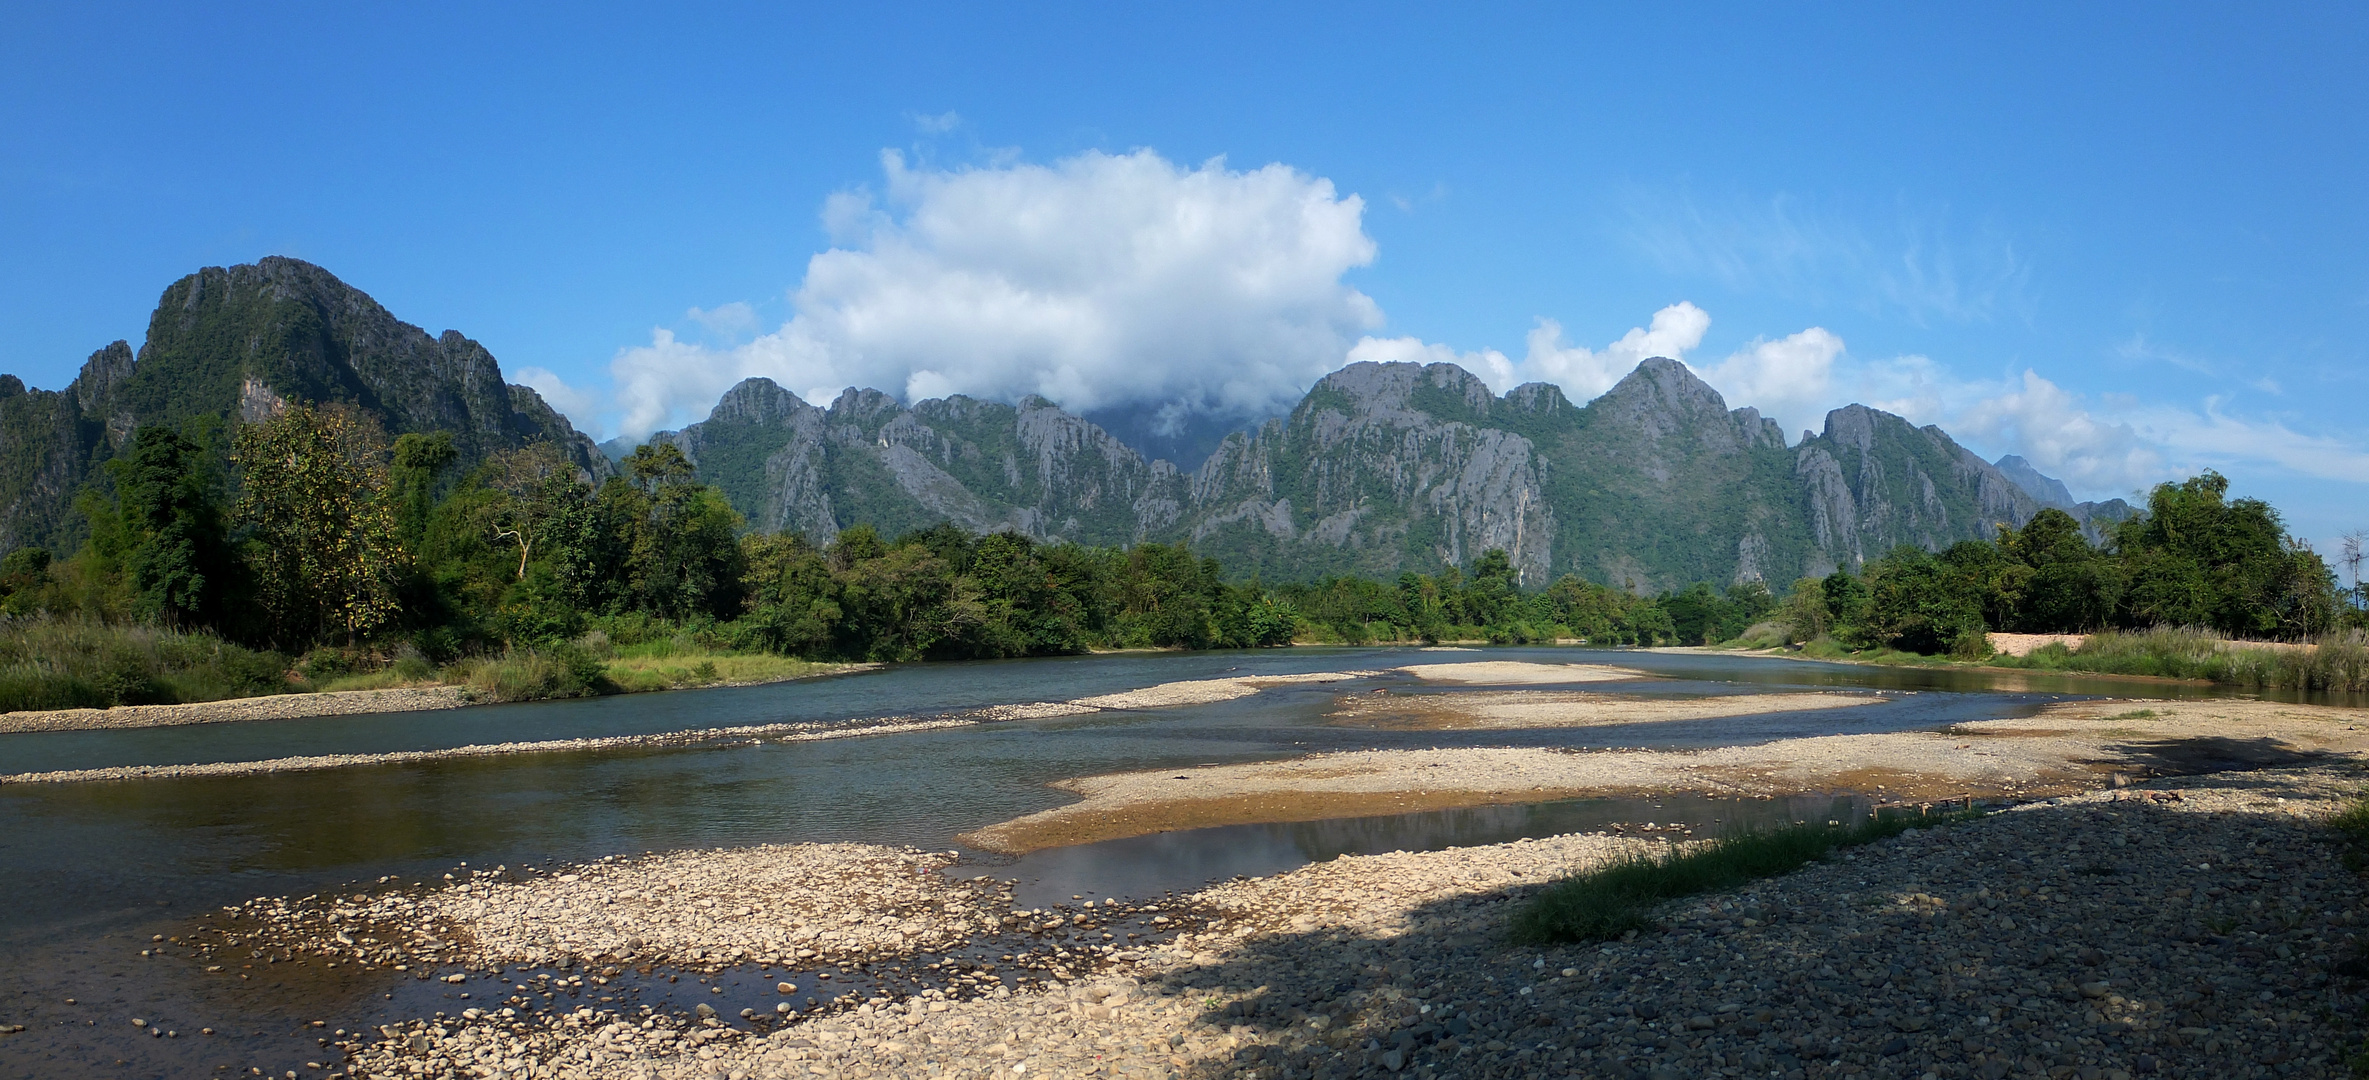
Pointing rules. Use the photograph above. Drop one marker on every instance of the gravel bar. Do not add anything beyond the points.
(2186, 927)
(267, 707)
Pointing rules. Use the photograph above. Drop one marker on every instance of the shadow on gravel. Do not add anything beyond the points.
(2216, 754)
(1454, 998)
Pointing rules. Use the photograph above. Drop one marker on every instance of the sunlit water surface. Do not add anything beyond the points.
(88, 872)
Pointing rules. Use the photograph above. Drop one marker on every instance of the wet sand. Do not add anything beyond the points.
(2065, 748)
(1507, 672)
(1484, 710)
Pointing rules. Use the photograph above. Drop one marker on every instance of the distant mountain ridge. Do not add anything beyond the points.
(1380, 468)
(237, 343)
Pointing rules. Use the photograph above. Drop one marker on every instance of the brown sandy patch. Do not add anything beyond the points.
(1487, 710)
(1144, 819)
(2027, 644)
(2065, 748)
(1208, 691)
(1499, 672)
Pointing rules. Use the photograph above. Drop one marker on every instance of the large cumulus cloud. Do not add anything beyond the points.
(1100, 281)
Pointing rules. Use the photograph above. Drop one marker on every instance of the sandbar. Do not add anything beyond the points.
(1510, 709)
(2066, 748)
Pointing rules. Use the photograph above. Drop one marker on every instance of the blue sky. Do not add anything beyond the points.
(2125, 242)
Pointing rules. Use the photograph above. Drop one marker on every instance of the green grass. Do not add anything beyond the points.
(1830, 649)
(635, 674)
(1612, 900)
(76, 663)
(2339, 663)
(2353, 822)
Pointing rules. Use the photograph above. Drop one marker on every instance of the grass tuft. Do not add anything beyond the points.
(1612, 900)
(79, 663)
(2338, 663)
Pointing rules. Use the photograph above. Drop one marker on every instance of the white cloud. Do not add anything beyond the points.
(570, 401)
(734, 320)
(1790, 380)
(1492, 366)
(1585, 373)
(1920, 265)
(1098, 281)
(2051, 428)
(2209, 436)
(939, 124)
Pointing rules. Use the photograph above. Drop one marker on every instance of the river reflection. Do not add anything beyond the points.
(88, 872)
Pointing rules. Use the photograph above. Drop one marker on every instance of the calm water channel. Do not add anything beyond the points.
(88, 872)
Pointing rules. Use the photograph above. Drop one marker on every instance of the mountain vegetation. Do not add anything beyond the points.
(287, 488)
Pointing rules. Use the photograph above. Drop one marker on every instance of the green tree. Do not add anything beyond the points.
(323, 543)
(2196, 558)
(1917, 604)
(177, 551)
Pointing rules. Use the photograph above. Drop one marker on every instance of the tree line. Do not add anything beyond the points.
(313, 530)
(2193, 559)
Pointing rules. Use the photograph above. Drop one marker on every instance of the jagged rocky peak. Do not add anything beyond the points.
(239, 343)
(2047, 489)
(1537, 397)
(1855, 426)
(1373, 387)
(757, 401)
(1663, 398)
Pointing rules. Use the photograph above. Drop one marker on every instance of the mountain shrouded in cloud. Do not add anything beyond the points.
(1173, 304)
(1100, 281)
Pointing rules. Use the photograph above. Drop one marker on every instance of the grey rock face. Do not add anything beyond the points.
(241, 343)
(1384, 465)
(1382, 468)
(2048, 491)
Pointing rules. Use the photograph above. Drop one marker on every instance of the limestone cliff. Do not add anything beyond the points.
(235, 343)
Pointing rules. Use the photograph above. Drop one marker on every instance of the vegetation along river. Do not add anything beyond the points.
(91, 873)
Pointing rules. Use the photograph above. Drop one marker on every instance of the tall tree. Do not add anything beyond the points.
(180, 559)
(324, 542)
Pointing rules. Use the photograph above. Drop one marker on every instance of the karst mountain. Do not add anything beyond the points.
(1381, 468)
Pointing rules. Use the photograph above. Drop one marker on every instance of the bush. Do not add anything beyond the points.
(2339, 663)
(73, 663)
(558, 671)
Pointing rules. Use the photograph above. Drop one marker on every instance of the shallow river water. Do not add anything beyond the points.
(90, 872)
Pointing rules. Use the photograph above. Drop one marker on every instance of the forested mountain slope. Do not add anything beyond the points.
(231, 344)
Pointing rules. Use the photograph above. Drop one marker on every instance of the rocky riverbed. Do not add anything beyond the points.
(2202, 926)
(269, 707)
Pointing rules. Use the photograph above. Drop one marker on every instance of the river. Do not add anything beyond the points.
(91, 872)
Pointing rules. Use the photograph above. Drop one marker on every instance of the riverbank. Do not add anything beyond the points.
(1159, 696)
(2189, 927)
(634, 675)
(2065, 748)
(269, 707)
(2338, 664)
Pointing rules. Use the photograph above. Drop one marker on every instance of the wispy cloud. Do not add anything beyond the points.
(1918, 264)
(939, 124)
(731, 321)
